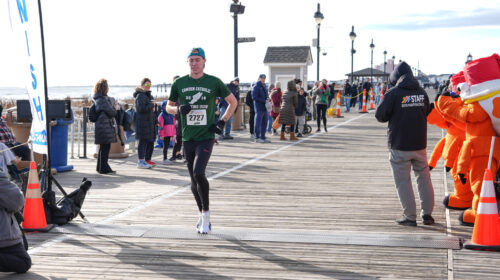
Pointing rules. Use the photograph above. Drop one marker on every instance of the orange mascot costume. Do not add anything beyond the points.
(479, 109)
(450, 147)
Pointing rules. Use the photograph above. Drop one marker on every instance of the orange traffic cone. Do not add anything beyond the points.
(34, 213)
(372, 107)
(381, 94)
(339, 115)
(363, 108)
(486, 234)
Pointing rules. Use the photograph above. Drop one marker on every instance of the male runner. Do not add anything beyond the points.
(196, 94)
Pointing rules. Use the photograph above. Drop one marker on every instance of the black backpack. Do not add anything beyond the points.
(93, 114)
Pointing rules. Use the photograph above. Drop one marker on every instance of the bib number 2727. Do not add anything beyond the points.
(197, 117)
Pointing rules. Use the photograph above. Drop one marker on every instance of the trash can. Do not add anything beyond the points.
(59, 145)
(238, 116)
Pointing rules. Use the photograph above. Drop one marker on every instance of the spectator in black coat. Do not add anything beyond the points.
(347, 96)
(300, 111)
(145, 123)
(251, 119)
(405, 107)
(105, 126)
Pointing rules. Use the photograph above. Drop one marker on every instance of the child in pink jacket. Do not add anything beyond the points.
(166, 123)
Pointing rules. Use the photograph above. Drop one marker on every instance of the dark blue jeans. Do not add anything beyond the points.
(14, 259)
(260, 124)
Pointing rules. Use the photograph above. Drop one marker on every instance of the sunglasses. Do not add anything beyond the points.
(147, 84)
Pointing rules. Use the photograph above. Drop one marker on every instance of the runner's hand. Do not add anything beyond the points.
(218, 127)
(184, 109)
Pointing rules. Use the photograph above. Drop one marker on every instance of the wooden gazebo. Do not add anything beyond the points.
(367, 73)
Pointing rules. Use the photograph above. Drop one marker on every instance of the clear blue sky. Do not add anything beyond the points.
(125, 40)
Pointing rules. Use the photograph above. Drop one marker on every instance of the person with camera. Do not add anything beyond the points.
(13, 255)
(196, 94)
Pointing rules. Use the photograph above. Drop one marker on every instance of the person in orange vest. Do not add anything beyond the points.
(478, 110)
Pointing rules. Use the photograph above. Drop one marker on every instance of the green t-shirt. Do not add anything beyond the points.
(201, 95)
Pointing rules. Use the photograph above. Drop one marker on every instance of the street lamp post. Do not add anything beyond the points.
(318, 16)
(385, 64)
(469, 58)
(372, 46)
(352, 35)
(236, 9)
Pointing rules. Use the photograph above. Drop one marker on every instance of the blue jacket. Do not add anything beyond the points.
(259, 96)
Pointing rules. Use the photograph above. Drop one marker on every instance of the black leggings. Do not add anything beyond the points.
(178, 143)
(14, 259)
(166, 145)
(197, 155)
(321, 114)
(251, 122)
(102, 159)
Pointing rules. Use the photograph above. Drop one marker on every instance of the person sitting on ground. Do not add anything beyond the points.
(13, 255)
(8, 138)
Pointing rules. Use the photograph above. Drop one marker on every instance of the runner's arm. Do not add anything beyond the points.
(171, 108)
(233, 103)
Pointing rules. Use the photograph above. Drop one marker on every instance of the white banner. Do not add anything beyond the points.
(25, 20)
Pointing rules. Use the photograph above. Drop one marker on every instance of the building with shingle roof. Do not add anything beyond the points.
(287, 63)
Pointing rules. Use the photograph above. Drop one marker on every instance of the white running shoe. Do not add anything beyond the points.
(260, 140)
(205, 226)
(267, 141)
(166, 162)
(199, 223)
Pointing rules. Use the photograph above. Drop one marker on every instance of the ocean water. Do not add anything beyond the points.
(62, 92)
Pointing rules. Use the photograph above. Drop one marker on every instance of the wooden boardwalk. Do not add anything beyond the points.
(279, 211)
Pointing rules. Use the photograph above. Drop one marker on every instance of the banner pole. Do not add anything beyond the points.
(47, 122)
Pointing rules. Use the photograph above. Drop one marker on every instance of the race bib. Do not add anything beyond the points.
(197, 117)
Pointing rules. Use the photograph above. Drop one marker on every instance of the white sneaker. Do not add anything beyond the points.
(166, 162)
(143, 165)
(199, 223)
(252, 136)
(267, 141)
(260, 140)
(205, 226)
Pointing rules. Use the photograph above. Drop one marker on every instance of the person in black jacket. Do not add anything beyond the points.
(405, 107)
(251, 118)
(300, 112)
(145, 123)
(105, 126)
(347, 96)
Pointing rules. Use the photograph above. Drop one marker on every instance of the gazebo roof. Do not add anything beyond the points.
(289, 54)
(367, 73)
